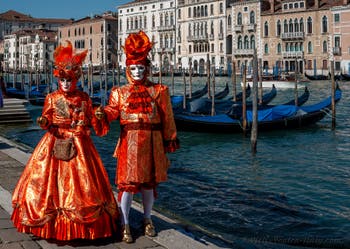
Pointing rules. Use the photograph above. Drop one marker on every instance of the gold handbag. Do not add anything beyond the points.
(64, 149)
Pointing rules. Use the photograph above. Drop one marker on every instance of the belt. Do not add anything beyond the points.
(141, 126)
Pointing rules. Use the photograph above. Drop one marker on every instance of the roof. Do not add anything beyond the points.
(15, 16)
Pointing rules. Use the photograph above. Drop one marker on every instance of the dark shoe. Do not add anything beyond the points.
(149, 227)
(127, 238)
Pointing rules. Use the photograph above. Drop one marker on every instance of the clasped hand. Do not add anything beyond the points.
(99, 113)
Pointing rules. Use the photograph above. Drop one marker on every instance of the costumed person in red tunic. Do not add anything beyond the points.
(148, 132)
(64, 192)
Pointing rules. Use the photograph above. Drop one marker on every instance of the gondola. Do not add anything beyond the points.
(275, 118)
(316, 77)
(204, 106)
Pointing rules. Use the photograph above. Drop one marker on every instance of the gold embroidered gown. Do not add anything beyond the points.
(65, 200)
(148, 131)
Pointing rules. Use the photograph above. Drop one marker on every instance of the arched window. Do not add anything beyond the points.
(189, 12)
(246, 42)
(229, 20)
(324, 24)
(266, 48)
(285, 26)
(221, 27)
(278, 28)
(324, 47)
(296, 25)
(291, 26)
(279, 48)
(212, 28)
(252, 42)
(161, 20)
(309, 25)
(153, 21)
(309, 47)
(266, 29)
(239, 44)
(252, 17)
(239, 18)
(301, 25)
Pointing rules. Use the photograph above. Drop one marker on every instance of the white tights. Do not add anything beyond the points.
(147, 201)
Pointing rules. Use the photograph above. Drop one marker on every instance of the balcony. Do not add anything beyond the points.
(166, 28)
(292, 36)
(238, 28)
(337, 51)
(244, 52)
(293, 54)
(251, 27)
(197, 38)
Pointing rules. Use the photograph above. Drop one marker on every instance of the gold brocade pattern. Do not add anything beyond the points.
(141, 152)
(72, 199)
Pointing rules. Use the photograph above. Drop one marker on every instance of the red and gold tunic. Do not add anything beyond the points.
(148, 131)
(59, 199)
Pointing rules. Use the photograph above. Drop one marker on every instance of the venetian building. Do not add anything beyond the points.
(341, 38)
(157, 19)
(297, 35)
(29, 50)
(202, 35)
(97, 34)
(244, 25)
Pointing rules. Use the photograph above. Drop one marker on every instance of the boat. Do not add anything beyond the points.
(316, 76)
(177, 100)
(344, 76)
(204, 105)
(282, 81)
(271, 119)
(223, 93)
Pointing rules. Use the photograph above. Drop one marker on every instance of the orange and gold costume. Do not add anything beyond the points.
(147, 124)
(59, 199)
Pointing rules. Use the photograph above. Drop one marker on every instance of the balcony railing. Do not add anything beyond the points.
(196, 38)
(337, 51)
(244, 52)
(293, 54)
(293, 36)
(251, 27)
(166, 28)
(238, 28)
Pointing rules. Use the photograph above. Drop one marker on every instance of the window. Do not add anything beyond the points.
(239, 18)
(252, 42)
(309, 25)
(309, 47)
(266, 29)
(221, 8)
(324, 24)
(278, 28)
(212, 47)
(336, 17)
(279, 48)
(246, 42)
(324, 47)
(301, 25)
(337, 41)
(212, 9)
(189, 12)
(266, 48)
(337, 65)
(229, 20)
(252, 17)
(239, 44)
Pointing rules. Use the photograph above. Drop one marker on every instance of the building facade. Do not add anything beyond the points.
(29, 50)
(158, 20)
(98, 34)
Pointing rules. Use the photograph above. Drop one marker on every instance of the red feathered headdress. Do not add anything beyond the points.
(136, 48)
(67, 65)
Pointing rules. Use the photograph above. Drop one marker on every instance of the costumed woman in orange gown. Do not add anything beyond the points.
(64, 192)
(148, 131)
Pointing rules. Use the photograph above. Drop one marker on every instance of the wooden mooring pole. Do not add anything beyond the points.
(244, 104)
(254, 130)
(260, 82)
(333, 96)
(213, 93)
(234, 80)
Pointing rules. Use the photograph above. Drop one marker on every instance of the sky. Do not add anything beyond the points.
(65, 9)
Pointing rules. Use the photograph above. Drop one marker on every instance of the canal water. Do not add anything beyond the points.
(293, 193)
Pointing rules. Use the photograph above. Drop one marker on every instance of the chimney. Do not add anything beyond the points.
(272, 6)
(317, 4)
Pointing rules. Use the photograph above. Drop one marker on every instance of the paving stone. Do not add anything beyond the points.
(11, 235)
(6, 223)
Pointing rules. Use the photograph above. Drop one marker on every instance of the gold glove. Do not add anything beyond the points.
(41, 121)
(99, 113)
